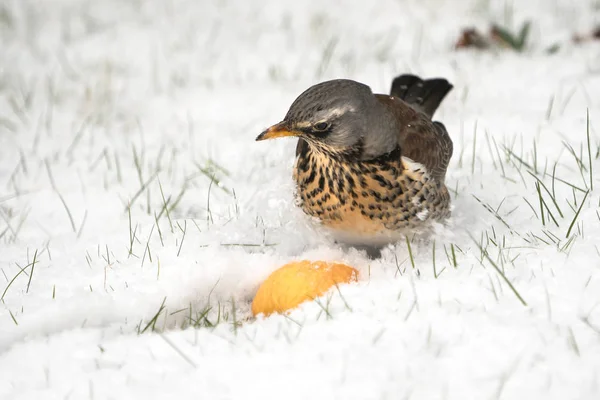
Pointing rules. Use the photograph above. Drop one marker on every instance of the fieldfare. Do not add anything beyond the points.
(370, 167)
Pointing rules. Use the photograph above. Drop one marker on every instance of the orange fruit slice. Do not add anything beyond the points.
(297, 282)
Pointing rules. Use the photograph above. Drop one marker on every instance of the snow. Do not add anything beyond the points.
(105, 104)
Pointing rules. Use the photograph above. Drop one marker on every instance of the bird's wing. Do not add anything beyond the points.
(420, 139)
(428, 143)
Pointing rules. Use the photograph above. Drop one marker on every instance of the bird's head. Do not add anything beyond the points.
(336, 117)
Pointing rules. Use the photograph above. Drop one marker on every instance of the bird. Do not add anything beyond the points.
(370, 168)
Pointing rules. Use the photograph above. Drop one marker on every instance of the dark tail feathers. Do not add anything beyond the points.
(425, 95)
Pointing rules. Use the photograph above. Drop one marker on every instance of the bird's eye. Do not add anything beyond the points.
(321, 126)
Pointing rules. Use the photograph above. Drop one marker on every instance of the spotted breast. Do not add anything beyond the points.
(369, 202)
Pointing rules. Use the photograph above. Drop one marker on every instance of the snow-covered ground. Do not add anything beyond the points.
(138, 216)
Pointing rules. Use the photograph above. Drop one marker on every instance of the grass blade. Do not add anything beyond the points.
(499, 271)
(32, 269)
(577, 213)
(589, 149)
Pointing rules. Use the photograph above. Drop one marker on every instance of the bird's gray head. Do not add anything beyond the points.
(338, 117)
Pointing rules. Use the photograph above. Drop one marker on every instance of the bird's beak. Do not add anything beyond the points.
(278, 130)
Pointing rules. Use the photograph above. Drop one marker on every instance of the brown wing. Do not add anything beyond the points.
(428, 143)
(420, 139)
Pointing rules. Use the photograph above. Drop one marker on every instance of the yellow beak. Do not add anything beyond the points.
(278, 130)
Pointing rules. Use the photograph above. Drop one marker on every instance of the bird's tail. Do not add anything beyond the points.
(425, 95)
